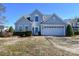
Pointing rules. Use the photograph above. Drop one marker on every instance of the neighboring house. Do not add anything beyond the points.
(39, 23)
(74, 23)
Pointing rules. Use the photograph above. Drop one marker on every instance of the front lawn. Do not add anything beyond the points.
(33, 46)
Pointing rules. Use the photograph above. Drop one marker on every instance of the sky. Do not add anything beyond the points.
(15, 10)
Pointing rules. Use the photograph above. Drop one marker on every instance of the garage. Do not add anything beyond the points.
(56, 30)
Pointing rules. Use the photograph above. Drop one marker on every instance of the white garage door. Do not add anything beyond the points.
(53, 30)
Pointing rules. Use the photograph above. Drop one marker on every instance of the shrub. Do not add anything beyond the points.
(5, 34)
(11, 29)
(28, 33)
(23, 34)
(76, 32)
(69, 31)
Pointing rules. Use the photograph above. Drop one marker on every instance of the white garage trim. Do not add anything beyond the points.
(52, 25)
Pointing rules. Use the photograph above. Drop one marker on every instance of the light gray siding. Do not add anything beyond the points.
(22, 24)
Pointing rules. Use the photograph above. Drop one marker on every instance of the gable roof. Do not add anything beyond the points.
(22, 18)
(46, 18)
(36, 11)
(54, 19)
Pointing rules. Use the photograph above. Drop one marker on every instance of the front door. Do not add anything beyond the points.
(36, 31)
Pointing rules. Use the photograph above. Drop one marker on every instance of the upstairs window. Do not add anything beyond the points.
(36, 19)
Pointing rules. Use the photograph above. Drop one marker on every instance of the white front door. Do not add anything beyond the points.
(36, 30)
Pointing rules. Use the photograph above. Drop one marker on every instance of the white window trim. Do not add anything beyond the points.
(36, 16)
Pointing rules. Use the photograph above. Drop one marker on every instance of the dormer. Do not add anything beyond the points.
(36, 16)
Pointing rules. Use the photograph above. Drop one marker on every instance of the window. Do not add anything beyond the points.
(36, 18)
(26, 28)
(78, 20)
(20, 28)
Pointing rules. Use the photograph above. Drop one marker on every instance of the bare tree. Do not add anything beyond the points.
(2, 18)
(2, 10)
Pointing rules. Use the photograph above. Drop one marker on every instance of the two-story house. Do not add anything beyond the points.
(38, 22)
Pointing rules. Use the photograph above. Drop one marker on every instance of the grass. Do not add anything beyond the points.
(33, 47)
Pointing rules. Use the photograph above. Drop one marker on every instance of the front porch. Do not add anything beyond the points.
(36, 31)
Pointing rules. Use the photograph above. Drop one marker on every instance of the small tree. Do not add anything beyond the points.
(11, 29)
(69, 31)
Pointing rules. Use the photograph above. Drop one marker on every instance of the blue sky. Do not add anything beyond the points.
(15, 11)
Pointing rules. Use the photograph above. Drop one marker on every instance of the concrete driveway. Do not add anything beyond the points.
(64, 43)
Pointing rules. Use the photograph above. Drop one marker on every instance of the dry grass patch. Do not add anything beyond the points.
(34, 46)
